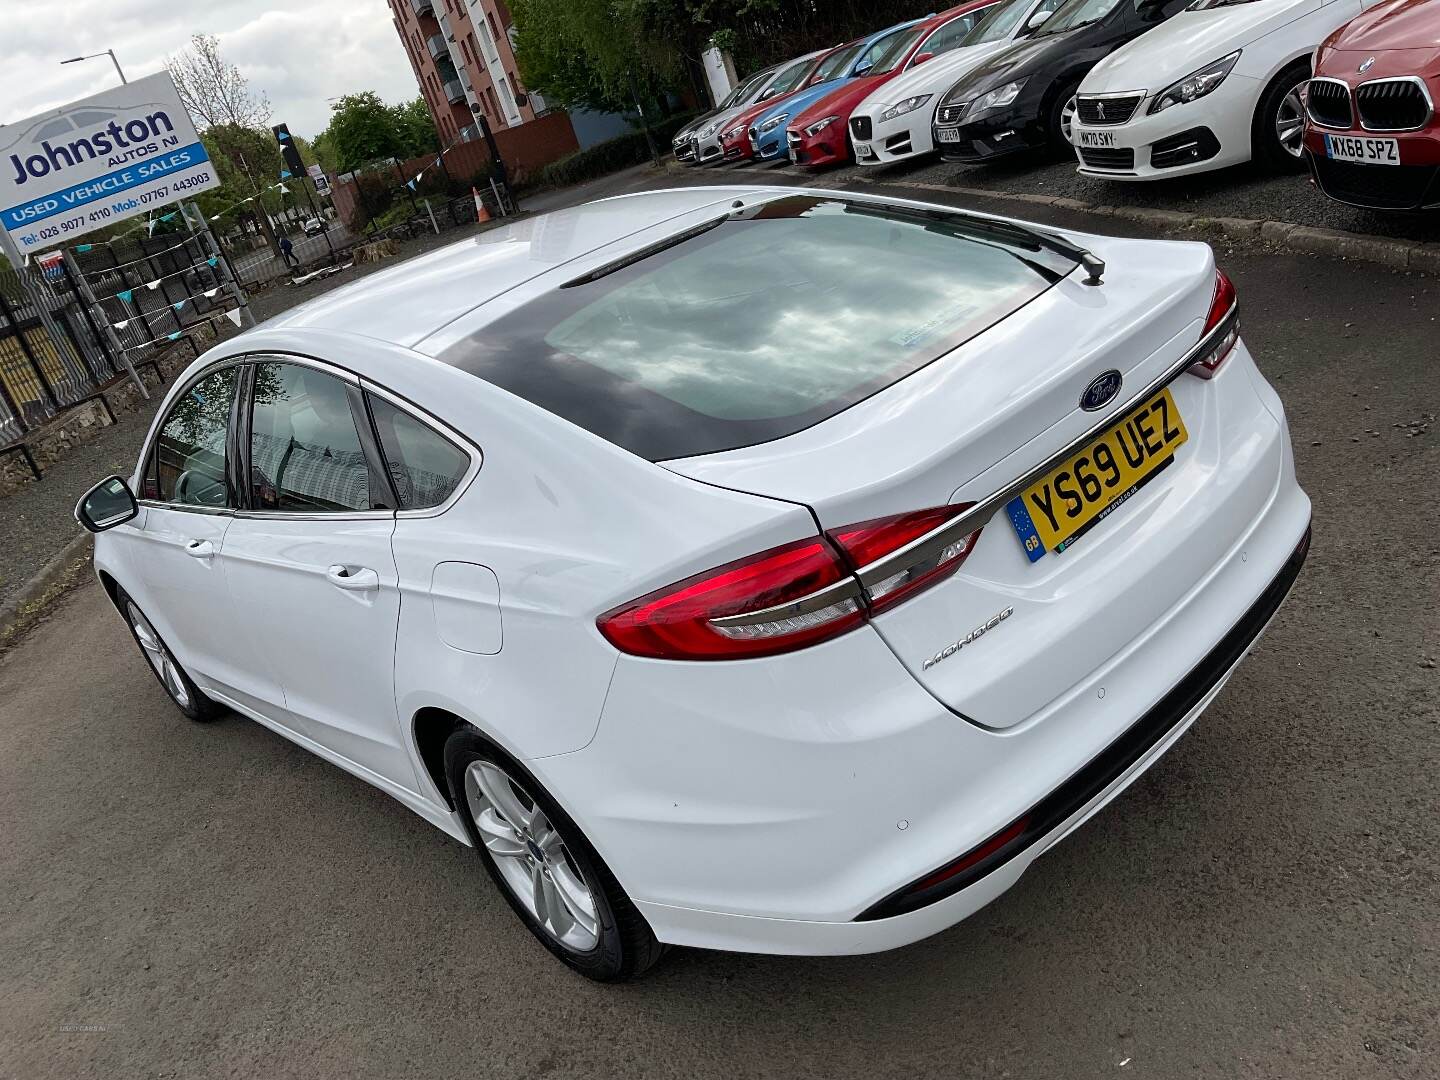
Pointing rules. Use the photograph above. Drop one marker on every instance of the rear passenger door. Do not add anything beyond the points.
(309, 564)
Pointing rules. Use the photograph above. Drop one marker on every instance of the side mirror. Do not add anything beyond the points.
(863, 69)
(107, 504)
(1038, 20)
(920, 58)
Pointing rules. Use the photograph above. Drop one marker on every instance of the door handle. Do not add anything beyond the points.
(353, 578)
(200, 549)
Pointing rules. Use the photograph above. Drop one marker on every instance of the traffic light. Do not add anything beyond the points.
(293, 166)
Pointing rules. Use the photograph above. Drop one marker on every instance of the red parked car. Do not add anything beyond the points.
(735, 139)
(1372, 137)
(817, 136)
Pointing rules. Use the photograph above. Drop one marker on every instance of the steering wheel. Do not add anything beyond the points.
(194, 488)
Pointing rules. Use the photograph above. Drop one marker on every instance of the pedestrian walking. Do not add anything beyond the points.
(287, 252)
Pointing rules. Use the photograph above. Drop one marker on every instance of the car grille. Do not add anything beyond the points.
(951, 114)
(1117, 158)
(861, 127)
(1328, 103)
(1392, 105)
(1392, 187)
(1097, 111)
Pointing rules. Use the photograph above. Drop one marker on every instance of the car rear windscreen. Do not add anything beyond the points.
(761, 323)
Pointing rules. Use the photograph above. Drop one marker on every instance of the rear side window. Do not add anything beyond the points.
(188, 466)
(760, 324)
(305, 453)
(425, 466)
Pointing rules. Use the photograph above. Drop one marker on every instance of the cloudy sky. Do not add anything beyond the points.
(298, 53)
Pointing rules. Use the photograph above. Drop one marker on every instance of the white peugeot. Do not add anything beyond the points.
(757, 569)
(893, 123)
(1219, 84)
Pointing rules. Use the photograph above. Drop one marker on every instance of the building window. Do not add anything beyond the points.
(465, 50)
(490, 18)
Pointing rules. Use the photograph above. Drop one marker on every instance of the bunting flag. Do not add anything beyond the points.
(172, 337)
(210, 293)
(153, 285)
(284, 174)
(121, 324)
(178, 304)
(233, 315)
(213, 260)
(167, 217)
(83, 247)
(125, 294)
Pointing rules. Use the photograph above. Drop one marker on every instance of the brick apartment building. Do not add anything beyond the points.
(465, 63)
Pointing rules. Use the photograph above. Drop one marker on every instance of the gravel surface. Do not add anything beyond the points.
(1240, 192)
(213, 901)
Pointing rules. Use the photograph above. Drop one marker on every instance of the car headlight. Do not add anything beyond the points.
(998, 98)
(708, 130)
(1195, 85)
(734, 133)
(820, 125)
(910, 104)
(773, 123)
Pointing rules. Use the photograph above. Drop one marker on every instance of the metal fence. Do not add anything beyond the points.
(70, 324)
(52, 355)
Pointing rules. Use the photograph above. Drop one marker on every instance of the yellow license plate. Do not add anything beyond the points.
(1074, 497)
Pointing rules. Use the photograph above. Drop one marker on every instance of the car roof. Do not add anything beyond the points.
(405, 303)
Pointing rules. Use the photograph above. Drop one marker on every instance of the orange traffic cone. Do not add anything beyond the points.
(481, 214)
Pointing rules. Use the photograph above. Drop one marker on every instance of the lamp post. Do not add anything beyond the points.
(108, 52)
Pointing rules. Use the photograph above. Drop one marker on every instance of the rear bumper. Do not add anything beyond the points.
(758, 806)
(893, 923)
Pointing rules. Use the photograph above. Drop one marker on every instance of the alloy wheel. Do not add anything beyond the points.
(1067, 119)
(158, 655)
(1290, 123)
(531, 857)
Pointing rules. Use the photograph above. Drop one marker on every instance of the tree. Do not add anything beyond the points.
(213, 91)
(416, 127)
(233, 122)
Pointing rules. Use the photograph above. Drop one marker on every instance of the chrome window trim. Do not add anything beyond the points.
(214, 511)
(847, 588)
(1424, 92)
(933, 543)
(1349, 98)
(468, 446)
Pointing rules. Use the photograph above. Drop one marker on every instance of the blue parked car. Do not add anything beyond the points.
(767, 133)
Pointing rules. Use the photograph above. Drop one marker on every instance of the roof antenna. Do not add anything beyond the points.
(1094, 266)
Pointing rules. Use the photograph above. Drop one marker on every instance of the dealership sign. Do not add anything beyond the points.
(112, 156)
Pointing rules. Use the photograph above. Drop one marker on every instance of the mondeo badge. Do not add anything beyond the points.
(1101, 391)
(1367, 64)
(969, 639)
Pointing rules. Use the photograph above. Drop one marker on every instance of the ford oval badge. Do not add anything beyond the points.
(1101, 391)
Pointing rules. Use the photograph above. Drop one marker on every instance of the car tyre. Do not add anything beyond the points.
(549, 874)
(1059, 121)
(1279, 125)
(173, 678)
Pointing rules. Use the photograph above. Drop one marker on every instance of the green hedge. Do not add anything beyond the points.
(609, 156)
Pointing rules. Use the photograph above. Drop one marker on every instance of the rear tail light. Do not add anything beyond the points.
(791, 596)
(871, 541)
(694, 619)
(1223, 307)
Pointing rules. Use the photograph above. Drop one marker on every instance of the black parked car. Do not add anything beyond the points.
(1021, 98)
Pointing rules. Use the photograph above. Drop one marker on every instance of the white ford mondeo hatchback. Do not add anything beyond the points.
(755, 569)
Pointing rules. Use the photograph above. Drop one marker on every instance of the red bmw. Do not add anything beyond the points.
(1372, 137)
